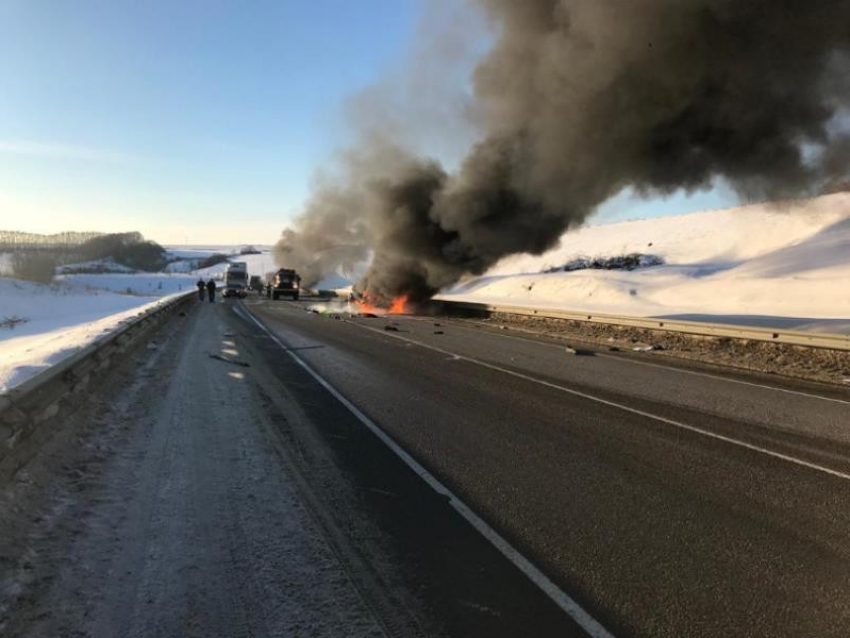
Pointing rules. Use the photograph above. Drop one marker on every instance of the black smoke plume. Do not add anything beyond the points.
(579, 99)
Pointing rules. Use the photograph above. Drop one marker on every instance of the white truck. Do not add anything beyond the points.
(236, 279)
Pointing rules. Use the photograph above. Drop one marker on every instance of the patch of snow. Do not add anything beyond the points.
(333, 282)
(5, 264)
(185, 259)
(190, 253)
(107, 265)
(144, 284)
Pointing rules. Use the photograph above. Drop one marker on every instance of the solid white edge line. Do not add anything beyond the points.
(620, 406)
(555, 593)
(668, 368)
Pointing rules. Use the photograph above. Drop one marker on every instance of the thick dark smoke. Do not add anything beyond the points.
(579, 99)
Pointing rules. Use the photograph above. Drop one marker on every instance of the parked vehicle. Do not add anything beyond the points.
(256, 283)
(236, 280)
(284, 282)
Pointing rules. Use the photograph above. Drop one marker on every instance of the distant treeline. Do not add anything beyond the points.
(36, 257)
(13, 240)
(128, 249)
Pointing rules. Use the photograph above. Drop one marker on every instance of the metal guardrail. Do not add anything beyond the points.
(791, 337)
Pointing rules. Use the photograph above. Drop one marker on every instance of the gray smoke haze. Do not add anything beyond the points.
(578, 99)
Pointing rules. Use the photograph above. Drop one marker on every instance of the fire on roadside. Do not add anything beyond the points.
(397, 306)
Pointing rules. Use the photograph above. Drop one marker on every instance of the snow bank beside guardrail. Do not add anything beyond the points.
(27, 412)
(42, 325)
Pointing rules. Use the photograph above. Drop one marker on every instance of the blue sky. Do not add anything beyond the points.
(191, 120)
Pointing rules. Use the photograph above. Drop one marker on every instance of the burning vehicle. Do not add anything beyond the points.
(362, 303)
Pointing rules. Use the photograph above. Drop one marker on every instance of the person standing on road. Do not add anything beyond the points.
(211, 290)
(202, 288)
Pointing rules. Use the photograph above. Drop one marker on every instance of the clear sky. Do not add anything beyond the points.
(192, 121)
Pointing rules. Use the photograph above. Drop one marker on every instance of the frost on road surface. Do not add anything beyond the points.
(164, 510)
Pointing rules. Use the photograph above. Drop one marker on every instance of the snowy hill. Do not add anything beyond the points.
(753, 263)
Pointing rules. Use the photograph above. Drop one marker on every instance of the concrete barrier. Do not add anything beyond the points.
(28, 412)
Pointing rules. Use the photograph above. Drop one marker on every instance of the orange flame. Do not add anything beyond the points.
(398, 306)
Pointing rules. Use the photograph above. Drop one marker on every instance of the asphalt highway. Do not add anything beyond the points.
(663, 498)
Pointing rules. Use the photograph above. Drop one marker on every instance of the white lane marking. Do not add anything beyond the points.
(605, 355)
(555, 593)
(751, 384)
(620, 406)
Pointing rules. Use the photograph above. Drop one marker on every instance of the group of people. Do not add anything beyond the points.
(206, 289)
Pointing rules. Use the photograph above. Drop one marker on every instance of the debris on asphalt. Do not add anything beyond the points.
(437, 324)
(642, 348)
(235, 362)
(819, 364)
(390, 328)
(438, 332)
(578, 351)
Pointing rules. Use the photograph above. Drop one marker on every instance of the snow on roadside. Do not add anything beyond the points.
(5, 264)
(80, 308)
(107, 265)
(334, 282)
(59, 320)
(765, 260)
(143, 284)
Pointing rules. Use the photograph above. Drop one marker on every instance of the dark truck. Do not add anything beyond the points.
(284, 282)
(256, 283)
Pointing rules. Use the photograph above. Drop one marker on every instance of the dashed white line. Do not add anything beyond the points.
(708, 375)
(620, 406)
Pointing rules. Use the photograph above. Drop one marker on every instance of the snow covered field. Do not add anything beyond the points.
(140, 284)
(257, 264)
(45, 324)
(758, 264)
(41, 325)
(785, 265)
